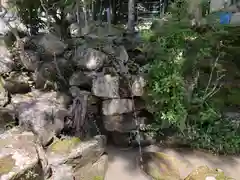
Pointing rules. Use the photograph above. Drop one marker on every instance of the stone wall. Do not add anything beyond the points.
(87, 85)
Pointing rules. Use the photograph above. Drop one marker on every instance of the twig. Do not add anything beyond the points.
(211, 74)
(58, 70)
(214, 91)
(47, 14)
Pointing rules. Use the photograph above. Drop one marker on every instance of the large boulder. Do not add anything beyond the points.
(41, 112)
(96, 170)
(106, 86)
(30, 59)
(89, 59)
(51, 44)
(117, 106)
(18, 156)
(52, 71)
(80, 79)
(110, 86)
(72, 159)
(122, 123)
(17, 83)
(112, 107)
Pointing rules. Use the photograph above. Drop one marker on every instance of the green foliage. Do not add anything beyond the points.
(186, 72)
(30, 11)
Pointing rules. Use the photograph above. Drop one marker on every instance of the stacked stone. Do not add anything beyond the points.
(120, 110)
(22, 158)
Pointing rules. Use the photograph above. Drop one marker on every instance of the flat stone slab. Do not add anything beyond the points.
(72, 159)
(72, 151)
(117, 106)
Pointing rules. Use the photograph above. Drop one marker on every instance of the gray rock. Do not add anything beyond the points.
(89, 171)
(75, 91)
(106, 86)
(74, 152)
(17, 83)
(18, 156)
(86, 30)
(52, 44)
(75, 30)
(138, 85)
(71, 17)
(42, 113)
(96, 170)
(122, 54)
(117, 106)
(122, 123)
(89, 59)
(233, 117)
(4, 99)
(50, 72)
(109, 48)
(121, 139)
(84, 106)
(6, 62)
(80, 79)
(30, 59)
(141, 59)
(7, 119)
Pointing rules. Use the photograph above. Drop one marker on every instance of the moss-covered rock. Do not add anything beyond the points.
(6, 164)
(161, 166)
(203, 173)
(93, 171)
(64, 145)
(82, 160)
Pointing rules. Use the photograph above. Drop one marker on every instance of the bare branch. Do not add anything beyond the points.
(47, 14)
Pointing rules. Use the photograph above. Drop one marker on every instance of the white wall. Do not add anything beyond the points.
(216, 5)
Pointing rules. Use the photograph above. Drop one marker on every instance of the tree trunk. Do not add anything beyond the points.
(131, 15)
(195, 10)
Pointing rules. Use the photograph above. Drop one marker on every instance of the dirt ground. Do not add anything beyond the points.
(122, 163)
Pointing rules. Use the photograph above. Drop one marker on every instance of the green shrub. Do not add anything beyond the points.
(186, 73)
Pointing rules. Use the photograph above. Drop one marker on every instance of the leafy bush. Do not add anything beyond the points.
(185, 75)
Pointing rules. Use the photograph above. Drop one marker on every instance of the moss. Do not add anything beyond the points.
(6, 164)
(98, 178)
(161, 166)
(65, 145)
(203, 172)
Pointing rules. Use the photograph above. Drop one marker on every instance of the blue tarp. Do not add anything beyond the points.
(225, 17)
